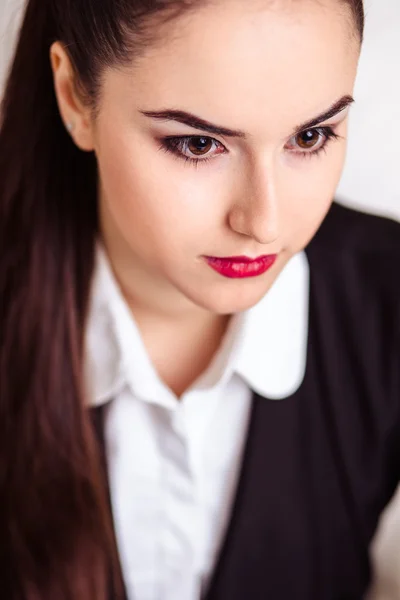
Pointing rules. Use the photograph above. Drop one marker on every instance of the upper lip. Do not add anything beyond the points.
(241, 259)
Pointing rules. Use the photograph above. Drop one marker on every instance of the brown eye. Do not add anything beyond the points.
(194, 148)
(307, 140)
(199, 145)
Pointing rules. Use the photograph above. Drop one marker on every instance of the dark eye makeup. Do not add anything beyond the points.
(198, 149)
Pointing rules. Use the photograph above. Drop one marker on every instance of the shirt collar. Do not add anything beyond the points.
(266, 345)
(273, 351)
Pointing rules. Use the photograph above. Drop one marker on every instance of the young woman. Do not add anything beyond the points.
(199, 393)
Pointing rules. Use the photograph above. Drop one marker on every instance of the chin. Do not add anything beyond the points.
(227, 302)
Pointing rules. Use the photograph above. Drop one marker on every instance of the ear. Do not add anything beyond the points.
(75, 114)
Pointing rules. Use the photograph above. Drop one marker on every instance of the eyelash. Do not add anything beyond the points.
(171, 145)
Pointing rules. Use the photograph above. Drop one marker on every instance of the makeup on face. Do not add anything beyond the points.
(240, 267)
(195, 122)
(306, 140)
(220, 151)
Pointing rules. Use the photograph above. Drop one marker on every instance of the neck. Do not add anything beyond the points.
(181, 338)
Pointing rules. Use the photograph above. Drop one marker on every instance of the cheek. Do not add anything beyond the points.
(310, 193)
(155, 201)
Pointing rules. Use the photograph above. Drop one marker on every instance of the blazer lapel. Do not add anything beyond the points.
(265, 553)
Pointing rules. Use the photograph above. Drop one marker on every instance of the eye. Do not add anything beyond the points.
(311, 141)
(199, 145)
(195, 148)
(307, 140)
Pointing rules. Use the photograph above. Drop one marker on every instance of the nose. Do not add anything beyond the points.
(256, 213)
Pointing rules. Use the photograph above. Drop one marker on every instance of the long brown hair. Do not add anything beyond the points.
(55, 532)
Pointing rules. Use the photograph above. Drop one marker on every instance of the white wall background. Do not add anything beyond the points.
(371, 181)
(371, 178)
(10, 14)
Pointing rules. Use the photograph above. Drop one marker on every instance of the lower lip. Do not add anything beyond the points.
(241, 267)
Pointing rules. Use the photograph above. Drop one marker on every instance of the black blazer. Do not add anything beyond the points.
(320, 466)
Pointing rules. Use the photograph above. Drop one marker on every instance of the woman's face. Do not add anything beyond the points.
(174, 191)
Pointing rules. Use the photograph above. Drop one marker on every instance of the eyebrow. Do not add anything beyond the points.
(334, 110)
(191, 120)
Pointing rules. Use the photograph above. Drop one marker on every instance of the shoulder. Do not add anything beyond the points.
(355, 330)
(355, 295)
(347, 230)
(356, 247)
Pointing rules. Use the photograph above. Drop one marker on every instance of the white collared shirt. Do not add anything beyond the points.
(173, 464)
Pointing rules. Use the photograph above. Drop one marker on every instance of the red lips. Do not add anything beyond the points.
(236, 267)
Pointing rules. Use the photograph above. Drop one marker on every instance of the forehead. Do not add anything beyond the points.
(248, 64)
